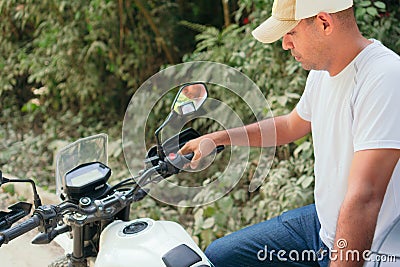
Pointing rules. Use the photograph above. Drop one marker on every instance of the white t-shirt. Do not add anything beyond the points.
(357, 109)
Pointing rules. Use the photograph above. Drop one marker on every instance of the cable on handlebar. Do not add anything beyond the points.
(125, 182)
(68, 206)
(142, 180)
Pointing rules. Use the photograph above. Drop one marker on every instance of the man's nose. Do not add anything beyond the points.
(287, 42)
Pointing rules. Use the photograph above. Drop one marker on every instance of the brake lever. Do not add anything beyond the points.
(18, 211)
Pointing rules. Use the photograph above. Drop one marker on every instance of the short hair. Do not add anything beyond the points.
(345, 17)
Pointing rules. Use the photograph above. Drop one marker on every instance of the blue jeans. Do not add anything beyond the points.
(291, 239)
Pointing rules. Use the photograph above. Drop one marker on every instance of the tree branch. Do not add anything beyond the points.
(225, 5)
(154, 28)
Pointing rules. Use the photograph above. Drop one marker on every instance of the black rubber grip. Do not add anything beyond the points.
(19, 229)
(189, 156)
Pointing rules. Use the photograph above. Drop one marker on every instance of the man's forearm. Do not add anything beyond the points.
(355, 232)
(266, 133)
(369, 177)
(259, 134)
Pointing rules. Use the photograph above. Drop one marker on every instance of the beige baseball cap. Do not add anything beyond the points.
(286, 14)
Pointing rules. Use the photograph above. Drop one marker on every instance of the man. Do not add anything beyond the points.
(350, 104)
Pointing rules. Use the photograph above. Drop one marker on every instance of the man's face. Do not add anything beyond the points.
(306, 46)
(193, 91)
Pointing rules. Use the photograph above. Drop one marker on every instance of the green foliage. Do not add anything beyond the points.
(68, 69)
(381, 21)
(82, 57)
(94, 52)
(9, 188)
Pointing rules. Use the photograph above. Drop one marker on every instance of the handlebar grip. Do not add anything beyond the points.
(220, 148)
(180, 160)
(19, 229)
(189, 156)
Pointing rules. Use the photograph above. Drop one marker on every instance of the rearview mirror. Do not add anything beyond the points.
(190, 98)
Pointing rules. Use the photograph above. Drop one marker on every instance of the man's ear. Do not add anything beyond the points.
(325, 22)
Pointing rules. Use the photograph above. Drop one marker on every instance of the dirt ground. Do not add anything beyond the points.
(20, 252)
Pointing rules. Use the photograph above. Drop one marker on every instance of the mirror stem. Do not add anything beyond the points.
(36, 199)
(160, 150)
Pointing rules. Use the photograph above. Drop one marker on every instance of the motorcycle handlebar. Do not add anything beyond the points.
(177, 162)
(19, 229)
(42, 216)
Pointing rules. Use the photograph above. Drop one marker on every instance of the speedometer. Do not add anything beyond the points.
(87, 180)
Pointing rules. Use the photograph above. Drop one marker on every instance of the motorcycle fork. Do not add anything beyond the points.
(76, 259)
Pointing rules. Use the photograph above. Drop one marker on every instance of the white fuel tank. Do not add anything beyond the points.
(148, 243)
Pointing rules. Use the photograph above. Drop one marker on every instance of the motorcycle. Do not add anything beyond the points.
(96, 214)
